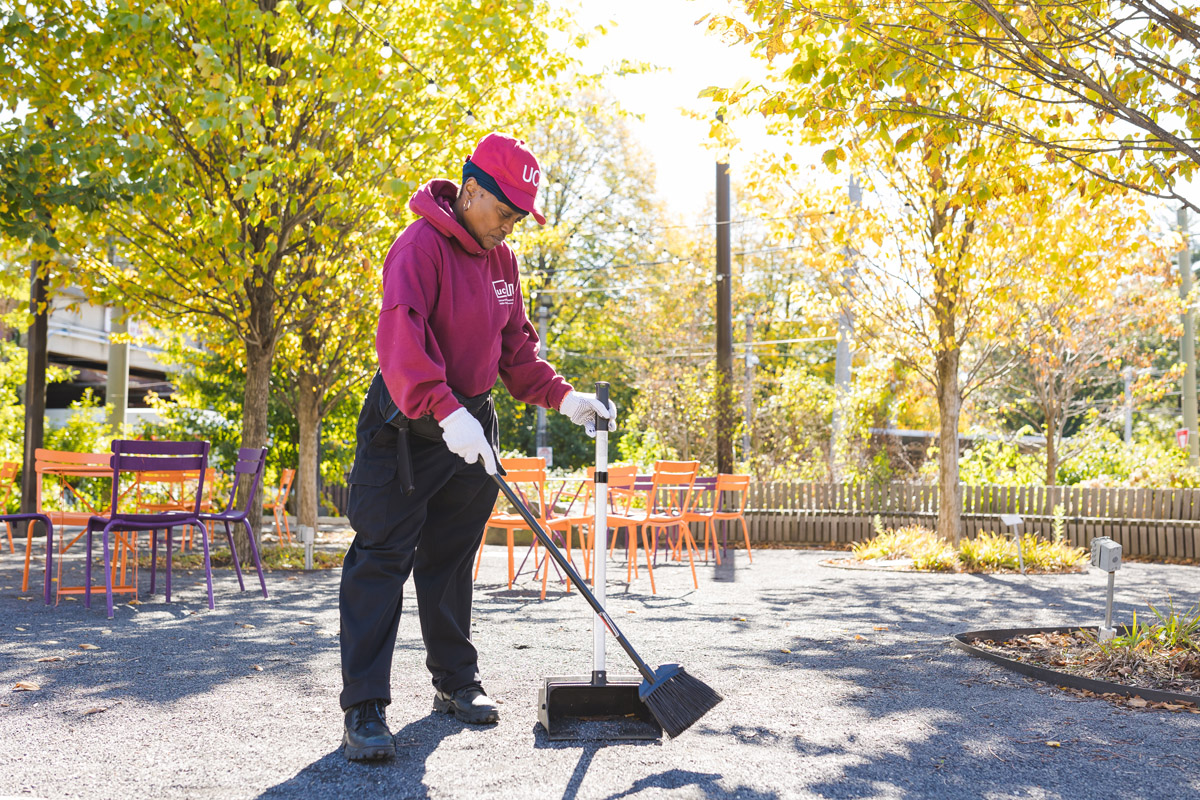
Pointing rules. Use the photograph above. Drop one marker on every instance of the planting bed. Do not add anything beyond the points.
(1069, 657)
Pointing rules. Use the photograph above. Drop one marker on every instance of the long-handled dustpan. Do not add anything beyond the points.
(604, 707)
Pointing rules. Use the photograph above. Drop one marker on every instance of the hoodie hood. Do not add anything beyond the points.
(434, 202)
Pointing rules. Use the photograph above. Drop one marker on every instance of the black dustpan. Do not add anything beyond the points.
(600, 706)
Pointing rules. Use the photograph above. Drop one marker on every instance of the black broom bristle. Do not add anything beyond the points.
(677, 700)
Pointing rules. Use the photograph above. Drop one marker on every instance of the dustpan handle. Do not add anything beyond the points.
(600, 535)
(573, 574)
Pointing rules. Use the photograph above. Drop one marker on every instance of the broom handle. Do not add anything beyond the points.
(600, 533)
(573, 574)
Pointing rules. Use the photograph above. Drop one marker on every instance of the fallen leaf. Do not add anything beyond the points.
(857, 636)
(305, 622)
(256, 668)
(1054, 744)
(96, 710)
(630, 611)
(784, 650)
(293, 578)
(134, 602)
(247, 625)
(881, 627)
(49, 658)
(26, 686)
(1137, 702)
(89, 647)
(27, 599)
(22, 630)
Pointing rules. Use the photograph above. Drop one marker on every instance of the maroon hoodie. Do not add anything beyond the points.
(453, 317)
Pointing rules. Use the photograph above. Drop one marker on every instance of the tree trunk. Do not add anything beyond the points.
(308, 417)
(1051, 457)
(35, 385)
(254, 429)
(949, 523)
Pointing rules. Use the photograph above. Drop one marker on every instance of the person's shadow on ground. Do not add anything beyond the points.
(402, 778)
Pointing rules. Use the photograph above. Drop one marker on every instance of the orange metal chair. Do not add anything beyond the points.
(76, 509)
(278, 506)
(8, 480)
(620, 494)
(727, 485)
(160, 492)
(669, 494)
(568, 522)
(527, 477)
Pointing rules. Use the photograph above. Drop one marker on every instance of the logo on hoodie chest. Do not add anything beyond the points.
(504, 292)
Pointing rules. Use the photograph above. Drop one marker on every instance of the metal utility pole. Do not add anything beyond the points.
(540, 442)
(35, 384)
(748, 388)
(845, 357)
(1189, 343)
(724, 393)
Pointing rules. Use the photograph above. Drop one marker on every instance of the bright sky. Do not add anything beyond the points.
(662, 32)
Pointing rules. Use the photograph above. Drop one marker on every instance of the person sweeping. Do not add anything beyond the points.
(452, 320)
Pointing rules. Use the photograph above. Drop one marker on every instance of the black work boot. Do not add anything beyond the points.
(468, 704)
(367, 737)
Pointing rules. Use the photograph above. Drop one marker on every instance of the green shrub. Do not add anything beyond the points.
(986, 552)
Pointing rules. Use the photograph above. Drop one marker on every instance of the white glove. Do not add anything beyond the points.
(582, 408)
(465, 438)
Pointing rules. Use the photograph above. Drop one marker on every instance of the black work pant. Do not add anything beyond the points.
(432, 534)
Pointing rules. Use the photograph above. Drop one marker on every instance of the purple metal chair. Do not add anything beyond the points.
(250, 467)
(137, 456)
(49, 542)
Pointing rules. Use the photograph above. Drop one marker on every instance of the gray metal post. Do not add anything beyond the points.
(1189, 343)
(844, 357)
(1127, 373)
(748, 389)
(117, 386)
(1112, 576)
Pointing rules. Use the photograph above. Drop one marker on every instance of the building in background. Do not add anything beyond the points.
(79, 338)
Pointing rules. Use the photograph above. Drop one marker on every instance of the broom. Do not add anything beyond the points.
(675, 698)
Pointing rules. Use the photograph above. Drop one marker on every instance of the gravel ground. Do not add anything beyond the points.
(838, 684)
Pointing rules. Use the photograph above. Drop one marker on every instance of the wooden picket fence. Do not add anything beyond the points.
(1147, 522)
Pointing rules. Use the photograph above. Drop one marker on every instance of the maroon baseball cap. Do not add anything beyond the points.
(511, 164)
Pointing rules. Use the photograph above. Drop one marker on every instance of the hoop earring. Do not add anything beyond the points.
(468, 205)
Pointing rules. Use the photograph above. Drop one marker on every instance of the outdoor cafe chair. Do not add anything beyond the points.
(584, 519)
(247, 475)
(727, 486)
(157, 492)
(669, 493)
(70, 472)
(621, 493)
(278, 506)
(8, 480)
(8, 519)
(131, 457)
(527, 477)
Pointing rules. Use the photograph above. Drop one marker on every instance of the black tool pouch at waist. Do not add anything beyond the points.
(425, 426)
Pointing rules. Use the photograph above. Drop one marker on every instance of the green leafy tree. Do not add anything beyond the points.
(268, 134)
(1116, 84)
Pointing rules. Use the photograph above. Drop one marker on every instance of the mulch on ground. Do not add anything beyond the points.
(1077, 653)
